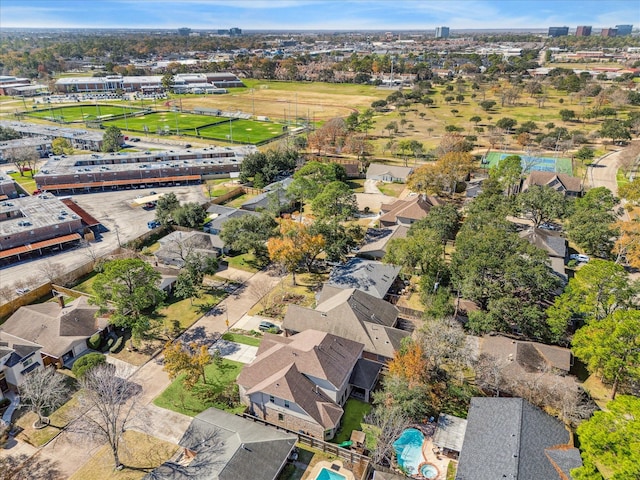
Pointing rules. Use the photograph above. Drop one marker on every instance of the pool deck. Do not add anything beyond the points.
(441, 462)
(335, 466)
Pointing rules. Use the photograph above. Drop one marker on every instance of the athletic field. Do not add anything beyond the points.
(205, 126)
(530, 163)
(84, 113)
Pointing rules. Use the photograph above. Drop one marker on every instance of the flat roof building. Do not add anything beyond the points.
(7, 187)
(583, 31)
(558, 31)
(608, 32)
(624, 30)
(28, 220)
(442, 32)
(113, 171)
(80, 139)
(111, 83)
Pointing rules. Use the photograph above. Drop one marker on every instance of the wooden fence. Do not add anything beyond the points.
(351, 456)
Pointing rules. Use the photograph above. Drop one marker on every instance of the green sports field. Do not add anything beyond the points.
(84, 113)
(205, 126)
(244, 131)
(529, 163)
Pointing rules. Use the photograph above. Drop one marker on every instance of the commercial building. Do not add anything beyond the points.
(583, 31)
(113, 171)
(624, 30)
(7, 187)
(558, 31)
(146, 83)
(442, 32)
(29, 223)
(608, 32)
(80, 139)
(8, 83)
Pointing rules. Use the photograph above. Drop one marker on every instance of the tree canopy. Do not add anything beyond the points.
(128, 288)
(542, 204)
(248, 233)
(111, 139)
(609, 441)
(611, 348)
(591, 225)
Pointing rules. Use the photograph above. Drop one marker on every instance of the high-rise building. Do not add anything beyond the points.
(583, 31)
(608, 32)
(624, 30)
(235, 31)
(558, 31)
(442, 32)
(184, 31)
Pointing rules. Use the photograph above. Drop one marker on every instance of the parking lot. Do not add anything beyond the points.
(118, 212)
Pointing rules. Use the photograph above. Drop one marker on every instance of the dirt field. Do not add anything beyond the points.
(283, 100)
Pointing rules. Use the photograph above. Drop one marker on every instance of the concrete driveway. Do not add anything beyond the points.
(238, 352)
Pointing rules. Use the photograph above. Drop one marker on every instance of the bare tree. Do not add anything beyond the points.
(41, 391)
(23, 158)
(260, 291)
(51, 271)
(208, 446)
(489, 373)
(444, 342)
(90, 250)
(111, 406)
(391, 424)
(24, 467)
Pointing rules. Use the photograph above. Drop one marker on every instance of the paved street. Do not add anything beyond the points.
(602, 173)
(69, 455)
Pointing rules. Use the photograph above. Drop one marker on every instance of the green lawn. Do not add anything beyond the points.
(186, 123)
(391, 189)
(185, 311)
(243, 339)
(356, 185)
(189, 402)
(354, 412)
(246, 262)
(83, 113)
(243, 131)
(26, 182)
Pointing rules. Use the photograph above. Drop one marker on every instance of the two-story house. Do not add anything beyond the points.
(17, 358)
(302, 382)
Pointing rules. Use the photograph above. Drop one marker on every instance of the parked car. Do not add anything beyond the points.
(266, 326)
(551, 226)
(22, 291)
(579, 257)
(153, 224)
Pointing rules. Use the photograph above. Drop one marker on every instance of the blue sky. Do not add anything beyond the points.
(317, 14)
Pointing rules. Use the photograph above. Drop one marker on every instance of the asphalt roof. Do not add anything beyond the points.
(507, 438)
(374, 278)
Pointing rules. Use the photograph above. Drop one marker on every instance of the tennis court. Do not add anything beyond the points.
(530, 162)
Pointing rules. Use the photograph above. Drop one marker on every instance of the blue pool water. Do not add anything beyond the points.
(409, 450)
(328, 474)
(429, 471)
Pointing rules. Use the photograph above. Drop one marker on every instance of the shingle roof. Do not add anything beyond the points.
(415, 208)
(224, 214)
(175, 246)
(377, 239)
(558, 181)
(396, 171)
(351, 314)
(283, 366)
(365, 374)
(249, 450)
(564, 458)
(17, 348)
(369, 276)
(532, 356)
(507, 438)
(553, 243)
(53, 327)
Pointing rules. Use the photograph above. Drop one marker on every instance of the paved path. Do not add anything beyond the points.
(238, 352)
(602, 173)
(69, 455)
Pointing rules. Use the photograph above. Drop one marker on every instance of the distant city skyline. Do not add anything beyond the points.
(317, 14)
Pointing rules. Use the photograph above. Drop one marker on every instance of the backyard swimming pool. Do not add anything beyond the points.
(409, 450)
(328, 474)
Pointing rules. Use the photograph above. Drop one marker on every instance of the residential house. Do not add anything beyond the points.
(220, 215)
(510, 438)
(561, 182)
(376, 241)
(221, 446)
(554, 244)
(17, 358)
(175, 247)
(302, 382)
(353, 314)
(520, 357)
(408, 211)
(375, 278)
(274, 194)
(61, 331)
(388, 173)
